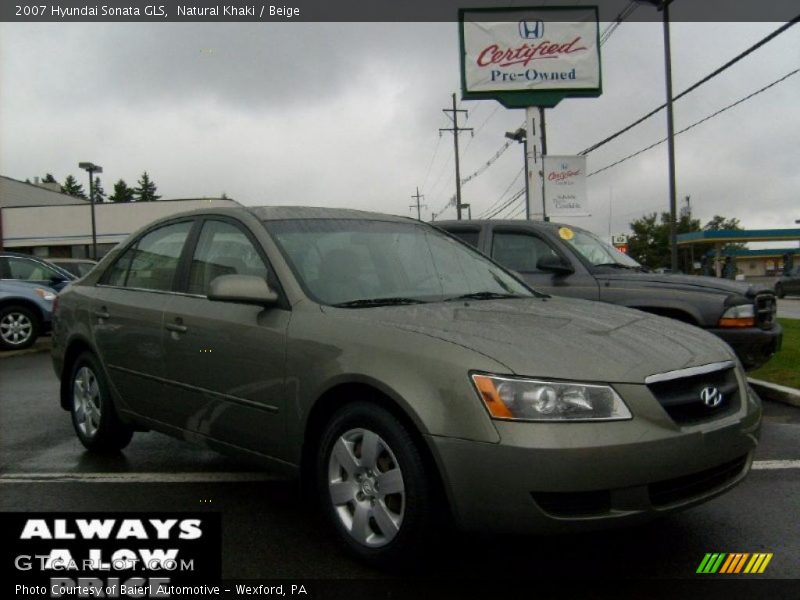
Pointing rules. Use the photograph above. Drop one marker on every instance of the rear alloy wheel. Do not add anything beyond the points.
(374, 487)
(19, 327)
(93, 414)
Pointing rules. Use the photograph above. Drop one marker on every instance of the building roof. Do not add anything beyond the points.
(732, 235)
(20, 193)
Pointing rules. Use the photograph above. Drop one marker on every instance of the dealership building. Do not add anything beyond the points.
(38, 219)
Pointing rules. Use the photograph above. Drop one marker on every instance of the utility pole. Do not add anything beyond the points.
(418, 205)
(456, 130)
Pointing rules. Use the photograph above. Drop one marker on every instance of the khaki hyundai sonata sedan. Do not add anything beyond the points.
(408, 379)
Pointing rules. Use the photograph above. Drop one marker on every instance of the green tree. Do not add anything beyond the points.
(71, 187)
(146, 192)
(49, 178)
(99, 192)
(122, 193)
(649, 243)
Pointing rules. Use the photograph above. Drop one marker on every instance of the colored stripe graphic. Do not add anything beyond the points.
(734, 562)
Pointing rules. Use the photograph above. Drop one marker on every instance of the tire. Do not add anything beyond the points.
(779, 292)
(384, 527)
(19, 327)
(94, 417)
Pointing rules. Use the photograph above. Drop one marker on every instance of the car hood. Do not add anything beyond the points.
(561, 338)
(685, 282)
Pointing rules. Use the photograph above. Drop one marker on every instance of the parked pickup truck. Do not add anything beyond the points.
(567, 261)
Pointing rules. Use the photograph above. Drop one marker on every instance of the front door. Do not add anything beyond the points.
(225, 362)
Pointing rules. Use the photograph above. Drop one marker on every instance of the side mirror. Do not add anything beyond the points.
(241, 289)
(555, 265)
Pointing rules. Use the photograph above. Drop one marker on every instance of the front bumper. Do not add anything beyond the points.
(752, 345)
(548, 478)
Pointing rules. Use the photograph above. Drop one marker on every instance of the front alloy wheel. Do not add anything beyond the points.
(366, 487)
(375, 487)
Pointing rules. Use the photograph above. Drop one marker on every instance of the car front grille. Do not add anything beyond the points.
(670, 491)
(682, 396)
(766, 307)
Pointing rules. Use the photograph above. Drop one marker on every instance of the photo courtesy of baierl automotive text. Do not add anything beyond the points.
(374, 300)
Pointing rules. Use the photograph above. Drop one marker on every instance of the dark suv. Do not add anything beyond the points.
(567, 261)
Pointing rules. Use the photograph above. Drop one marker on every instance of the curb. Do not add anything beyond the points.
(43, 344)
(775, 392)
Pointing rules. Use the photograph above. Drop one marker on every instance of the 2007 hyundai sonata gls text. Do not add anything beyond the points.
(403, 375)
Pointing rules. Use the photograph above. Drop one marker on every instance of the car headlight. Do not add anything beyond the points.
(45, 294)
(743, 315)
(536, 400)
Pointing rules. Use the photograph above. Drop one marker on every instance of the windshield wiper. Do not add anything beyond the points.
(484, 296)
(366, 302)
(617, 265)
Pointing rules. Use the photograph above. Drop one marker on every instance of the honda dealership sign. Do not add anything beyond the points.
(565, 186)
(530, 57)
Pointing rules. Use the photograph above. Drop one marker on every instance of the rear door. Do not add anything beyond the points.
(224, 361)
(127, 314)
(521, 249)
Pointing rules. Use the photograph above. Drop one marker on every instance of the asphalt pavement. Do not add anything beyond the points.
(269, 534)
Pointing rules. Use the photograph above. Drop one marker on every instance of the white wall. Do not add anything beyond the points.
(71, 225)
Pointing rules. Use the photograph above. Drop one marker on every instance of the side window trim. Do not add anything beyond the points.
(525, 231)
(127, 252)
(191, 247)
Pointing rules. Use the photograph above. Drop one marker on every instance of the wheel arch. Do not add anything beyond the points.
(671, 312)
(346, 392)
(24, 302)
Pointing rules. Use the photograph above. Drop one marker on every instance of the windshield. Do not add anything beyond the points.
(361, 262)
(596, 251)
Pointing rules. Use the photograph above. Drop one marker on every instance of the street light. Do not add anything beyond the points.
(663, 6)
(521, 136)
(92, 168)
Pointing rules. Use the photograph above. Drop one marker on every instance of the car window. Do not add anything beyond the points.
(520, 251)
(348, 260)
(222, 249)
(469, 237)
(151, 262)
(29, 270)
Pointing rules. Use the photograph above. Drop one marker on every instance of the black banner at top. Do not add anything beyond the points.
(158, 11)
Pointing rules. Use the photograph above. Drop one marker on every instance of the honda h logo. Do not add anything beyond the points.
(531, 30)
(711, 397)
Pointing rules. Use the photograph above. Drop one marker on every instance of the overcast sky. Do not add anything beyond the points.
(347, 115)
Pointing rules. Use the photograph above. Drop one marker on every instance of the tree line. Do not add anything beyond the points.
(649, 243)
(145, 191)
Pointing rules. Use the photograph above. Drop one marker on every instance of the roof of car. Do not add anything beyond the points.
(517, 222)
(276, 213)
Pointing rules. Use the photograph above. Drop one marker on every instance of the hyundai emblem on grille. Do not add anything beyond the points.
(711, 397)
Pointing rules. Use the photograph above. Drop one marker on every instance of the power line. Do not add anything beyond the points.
(696, 123)
(612, 27)
(433, 158)
(503, 195)
(696, 85)
(510, 201)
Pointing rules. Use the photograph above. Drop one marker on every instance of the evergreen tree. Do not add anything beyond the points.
(71, 187)
(99, 192)
(122, 193)
(49, 178)
(146, 192)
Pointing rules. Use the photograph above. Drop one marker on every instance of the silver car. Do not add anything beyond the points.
(408, 379)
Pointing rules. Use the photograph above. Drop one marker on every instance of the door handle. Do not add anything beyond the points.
(177, 327)
(102, 313)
